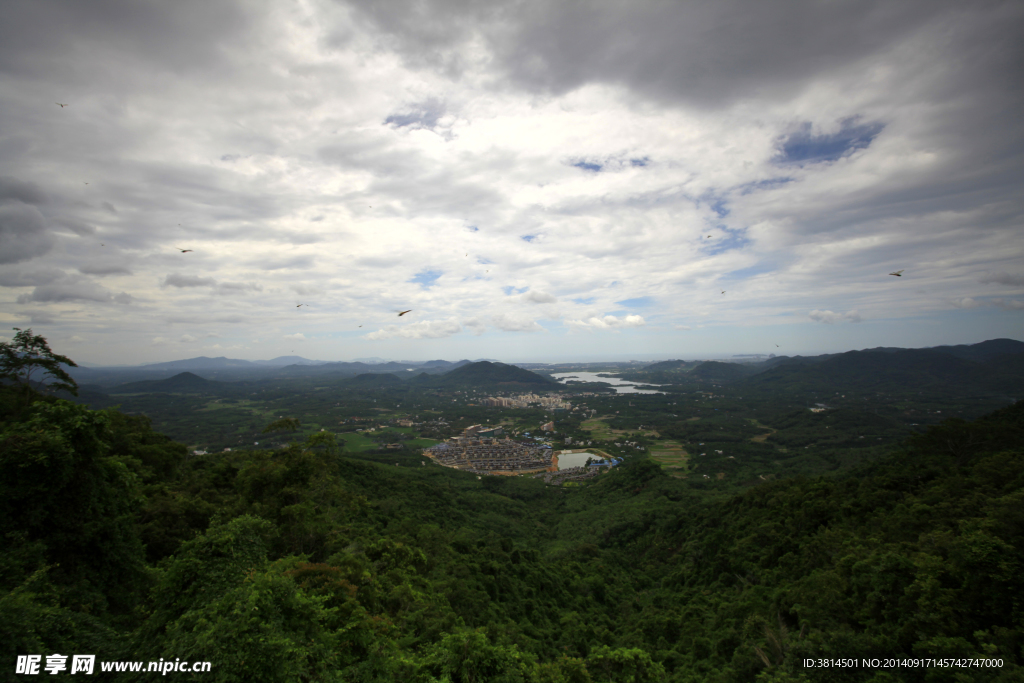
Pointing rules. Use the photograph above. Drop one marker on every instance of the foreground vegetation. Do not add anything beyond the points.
(741, 538)
(312, 564)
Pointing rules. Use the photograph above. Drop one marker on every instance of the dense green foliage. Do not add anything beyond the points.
(310, 562)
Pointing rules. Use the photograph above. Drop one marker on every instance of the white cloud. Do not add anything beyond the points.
(179, 280)
(608, 322)
(965, 302)
(423, 329)
(186, 338)
(475, 325)
(829, 317)
(511, 323)
(539, 297)
(510, 148)
(298, 336)
(1008, 304)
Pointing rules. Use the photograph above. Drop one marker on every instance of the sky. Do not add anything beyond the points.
(534, 180)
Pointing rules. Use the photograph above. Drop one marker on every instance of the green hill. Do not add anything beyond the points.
(984, 351)
(668, 366)
(488, 374)
(714, 371)
(182, 383)
(897, 372)
(370, 379)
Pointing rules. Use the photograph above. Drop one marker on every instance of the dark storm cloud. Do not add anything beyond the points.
(289, 263)
(70, 288)
(23, 233)
(179, 37)
(23, 229)
(1002, 278)
(178, 280)
(105, 269)
(234, 287)
(703, 51)
(24, 192)
(41, 318)
(26, 277)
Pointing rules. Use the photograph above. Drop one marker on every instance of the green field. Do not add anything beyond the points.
(670, 455)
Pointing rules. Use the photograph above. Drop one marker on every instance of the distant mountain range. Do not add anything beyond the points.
(462, 374)
(994, 366)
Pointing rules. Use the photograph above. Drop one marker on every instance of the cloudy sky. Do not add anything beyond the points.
(536, 180)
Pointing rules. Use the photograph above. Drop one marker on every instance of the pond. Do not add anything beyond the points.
(620, 385)
(567, 460)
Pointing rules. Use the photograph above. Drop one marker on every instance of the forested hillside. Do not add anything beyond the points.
(307, 563)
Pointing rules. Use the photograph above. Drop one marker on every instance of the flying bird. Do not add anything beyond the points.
(709, 236)
(723, 291)
(182, 250)
(897, 273)
(404, 312)
(85, 183)
(61, 105)
(300, 305)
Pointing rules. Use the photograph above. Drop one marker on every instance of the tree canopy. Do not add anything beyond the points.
(28, 353)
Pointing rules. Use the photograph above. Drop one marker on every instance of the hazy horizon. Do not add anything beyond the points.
(554, 360)
(540, 182)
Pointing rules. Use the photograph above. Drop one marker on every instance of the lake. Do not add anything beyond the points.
(620, 385)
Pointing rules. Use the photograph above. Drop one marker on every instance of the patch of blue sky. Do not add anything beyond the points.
(484, 261)
(731, 240)
(716, 202)
(588, 166)
(752, 271)
(803, 146)
(769, 184)
(473, 228)
(510, 290)
(528, 238)
(638, 302)
(426, 278)
(421, 115)
(639, 162)
(584, 301)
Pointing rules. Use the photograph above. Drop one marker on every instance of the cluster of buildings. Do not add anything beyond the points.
(525, 400)
(479, 450)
